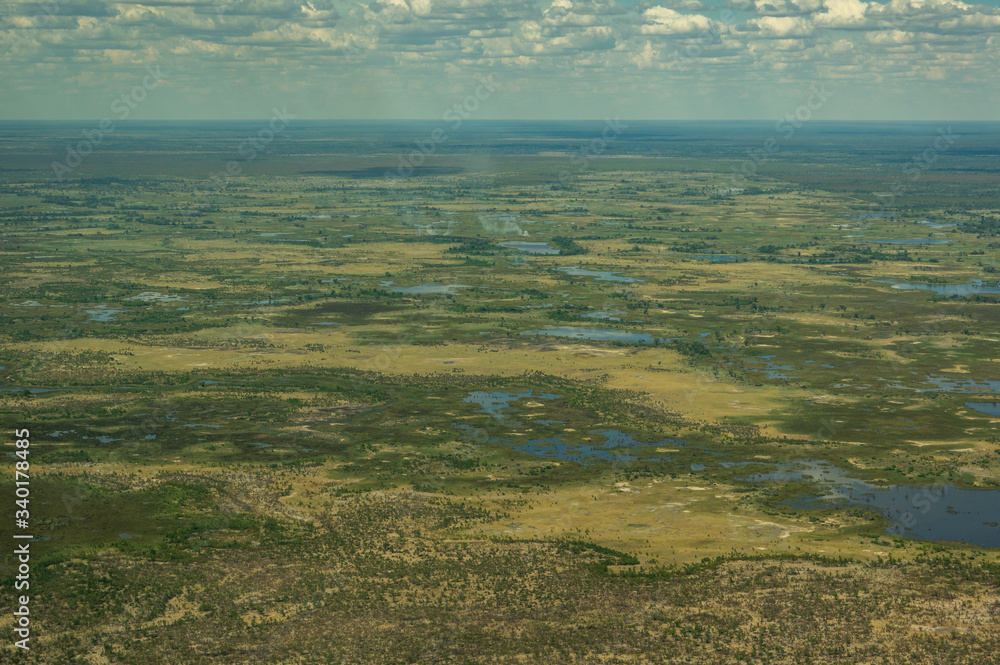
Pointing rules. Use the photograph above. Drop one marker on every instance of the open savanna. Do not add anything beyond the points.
(316, 414)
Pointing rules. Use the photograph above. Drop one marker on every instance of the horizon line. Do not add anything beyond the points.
(492, 120)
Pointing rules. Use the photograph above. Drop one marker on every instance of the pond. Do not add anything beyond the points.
(102, 314)
(581, 453)
(448, 289)
(945, 384)
(771, 370)
(494, 402)
(601, 275)
(989, 408)
(939, 512)
(587, 454)
(975, 286)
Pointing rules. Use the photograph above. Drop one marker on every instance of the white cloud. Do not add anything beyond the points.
(781, 27)
(645, 57)
(842, 13)
(687, 5)
(665, 21)
(786, 7)
(424, 46)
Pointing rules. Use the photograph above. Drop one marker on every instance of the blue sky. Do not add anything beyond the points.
(681, 59)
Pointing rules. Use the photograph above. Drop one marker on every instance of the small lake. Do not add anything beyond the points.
(530, 247)
(945, 384)
(448, 289)
(600, 275)
(581, 453)
(597, 334)
(770, 370)
(102, 314)
(587, 454)
(939, 512)
(614, 438)
(989, 408)
(494, 402)
(975, 286)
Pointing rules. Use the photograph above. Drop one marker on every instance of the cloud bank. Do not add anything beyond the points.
(903, 59)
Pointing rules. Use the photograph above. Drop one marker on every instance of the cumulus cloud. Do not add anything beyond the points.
(780, 27)
(786, 7)
(687, 5)
(94, 8)
(665, 21)
(429, 44)
(842, 13)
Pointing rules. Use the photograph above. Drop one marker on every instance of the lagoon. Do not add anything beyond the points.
(939, 512)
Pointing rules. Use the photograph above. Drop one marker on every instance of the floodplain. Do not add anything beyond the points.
(661, 407)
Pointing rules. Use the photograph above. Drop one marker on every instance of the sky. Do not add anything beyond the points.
(833, 60)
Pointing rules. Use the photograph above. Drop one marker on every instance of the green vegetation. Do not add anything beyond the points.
(319, 416)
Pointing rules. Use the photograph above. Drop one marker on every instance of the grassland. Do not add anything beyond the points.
(254, 440)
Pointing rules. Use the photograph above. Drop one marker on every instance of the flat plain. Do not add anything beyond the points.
(547, 398)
